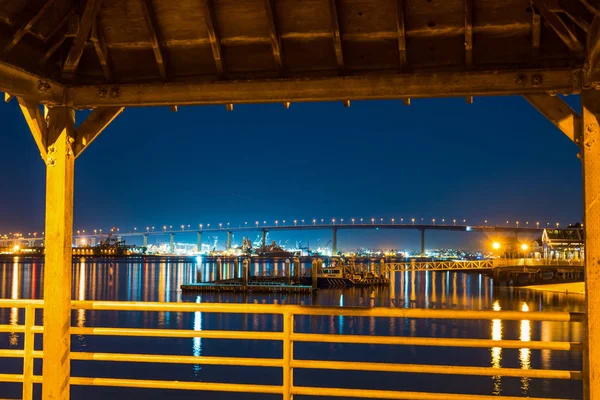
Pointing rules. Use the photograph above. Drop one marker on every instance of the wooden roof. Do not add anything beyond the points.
(111, 43)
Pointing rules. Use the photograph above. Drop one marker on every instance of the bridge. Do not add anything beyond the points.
(91, 238)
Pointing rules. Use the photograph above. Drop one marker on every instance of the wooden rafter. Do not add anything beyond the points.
(337, 39)
(18, 35)
(152, 25)
(469, 33)
(54, 47)
(275, 39)
(593, 52)
(58, 28)
(97, 38)
(559, 113)
(85, 27)
(577, 12)
(333, 88)
(562, 30)
(536, 36)
(213, 35)
(401, 32)
(37, 124)
(594, 9)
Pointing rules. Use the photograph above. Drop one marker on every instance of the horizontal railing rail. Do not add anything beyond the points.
(288, 337)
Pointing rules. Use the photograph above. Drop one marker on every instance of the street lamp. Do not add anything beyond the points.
(537, 225)
(496, 246)
(524, 247)
(361, 220)
(332, 221)
(454, 222)
(276, 223)
(314, 222)
(302, 222)
(283, 222)
(372, 221)
(557, 225)
(413, 220)
(433, 221)
(352, 221)
(295, 223)
(392, 221)
(200, 226)
(517, 224)
(220, 225)
(257, 224)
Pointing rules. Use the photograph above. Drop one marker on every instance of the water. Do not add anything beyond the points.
(137, 281)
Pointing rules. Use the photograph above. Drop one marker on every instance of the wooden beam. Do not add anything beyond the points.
(469, 33)
(85, 27)
(562, 30)
(590, 102)
(153, 31)
(213, 35)
(333, 88)
(536, 36)
(36, 123)
(275, 39)
(594, 9)
(337, 39)
(60, 166)
(401, 33)
(18, 35)
(93, 126)
(559, 113)
(97, 37)
(577, 12)
(21, 83)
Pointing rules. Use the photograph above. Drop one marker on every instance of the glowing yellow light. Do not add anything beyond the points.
(524, 247)
(16, 248)
(495, 245)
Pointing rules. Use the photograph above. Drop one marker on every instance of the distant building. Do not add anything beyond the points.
(563, 244)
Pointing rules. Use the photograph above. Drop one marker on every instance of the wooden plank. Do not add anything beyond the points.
(60, 165)
(36, 123)
(401, 33)
(536, 36)
(93, 126)
(97, 37)
(469, 33)
(559, 113)
(334, 88)
(85, 27)
(275, 39)
(213, 35)
(337, 39)
(152, 25)
(21, 83)
(590, 101)
(563, 31)
(18, 35)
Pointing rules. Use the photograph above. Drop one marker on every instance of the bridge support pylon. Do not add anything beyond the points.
(145, 240)
(422, 242)
(172, 243)
(229, 234)
(263, 241)
(334, 249)
(199, 242)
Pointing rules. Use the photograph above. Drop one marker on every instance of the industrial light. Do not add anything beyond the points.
(524, 247)
(496, 245)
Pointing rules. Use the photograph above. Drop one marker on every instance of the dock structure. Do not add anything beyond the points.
(328, 51)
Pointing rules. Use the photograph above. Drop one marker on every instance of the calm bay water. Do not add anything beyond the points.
(160, 281)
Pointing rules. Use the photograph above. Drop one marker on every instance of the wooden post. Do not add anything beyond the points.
(60, 165)
(590, 101)
(288, 272)
(245, 272)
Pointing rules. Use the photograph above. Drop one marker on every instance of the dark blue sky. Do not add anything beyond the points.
(496, 159)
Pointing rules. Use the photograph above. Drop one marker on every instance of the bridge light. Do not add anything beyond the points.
(537, 225)
(433, 221)
(332, 221)
(276, 223)
(372, 220)
(295, 222)
(557, 225)
(352, 221)
(392, 221)
(496, 245)
(257, 224)
(413, 221)
(314, 221)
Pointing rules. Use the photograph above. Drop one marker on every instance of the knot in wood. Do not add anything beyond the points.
(102, 93)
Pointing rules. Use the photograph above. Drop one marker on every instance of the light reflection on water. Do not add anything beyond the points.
(160, 281)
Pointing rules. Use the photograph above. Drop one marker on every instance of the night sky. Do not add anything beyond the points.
(497, 159)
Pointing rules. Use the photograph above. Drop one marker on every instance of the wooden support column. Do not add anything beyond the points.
(60, 166)
(590, 102)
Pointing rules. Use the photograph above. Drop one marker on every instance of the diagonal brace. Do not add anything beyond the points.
(95, 123)
(37, 124)
(559, 113)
